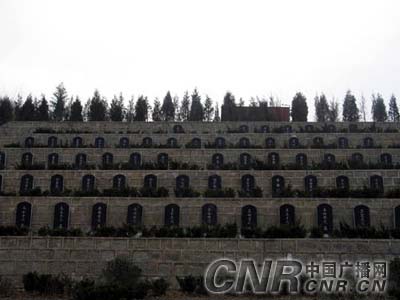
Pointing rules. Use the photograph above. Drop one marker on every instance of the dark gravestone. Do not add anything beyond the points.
(309, 128)
(77, 142)
(171, 215)
(1, 182)
(29, 142)
(273, 159)
(80, 160)
(61, 215)
(343, 143)
(214, 182)
(270, 143)
(331, 128)
(27, 159)
(108, 159)
(357, 157)
(99, 142)
(135, 160)
(88, 183)
(2, 160)
(217, 160)
(124, 142)
(245, 159)
(325, 218)
(172, 142)
(182, 182)
(119, 182)
(243, 128)
(26, 183)
(329, 158)
(52, 141)
(134, 217)
(310, 183)
(52, 159)
(386, 159)
(248, 183)
(196, 143)
(361, 216)
(249, 216)
(99, 215)
(220, 142)
(287, 214)
(150, 181)
(342, 182)
(376, 183)
(293, 142)
(162, 160)
(147, 142)
(368, 142)
(301, 160)
(318, 141)
(278, 185)
(23, 215)
(244, 143)
(56, 184)
(178, 129)
(209, 214)
(264, 129)
(397, 217)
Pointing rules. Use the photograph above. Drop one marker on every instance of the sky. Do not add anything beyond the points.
(249, 47)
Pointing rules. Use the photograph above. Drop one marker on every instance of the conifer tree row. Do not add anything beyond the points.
(191, 107)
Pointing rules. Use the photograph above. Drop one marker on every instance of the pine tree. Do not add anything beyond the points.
(59, 100)
(168, 108)
(253, 102)
(184, 111)
(177, 109)
(379, 113)
(217, 118)
(6, 110)
(17, 108)
(350, 110)
(229, 106)
(321, 108)
(97, 109)
(241, 102)
(333, 115)
(363, 108)
(117, 109)
(130, 114)
(156, 114)
(299, 108)
(196, 109)
(76, 111)
(142, 109)
(43, 110)
(208, 109)
(28, 110)
(394, 115)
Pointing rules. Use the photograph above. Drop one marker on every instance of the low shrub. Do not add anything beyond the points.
(13, 231)
(7, 288)
(159, 287)
(46, 283)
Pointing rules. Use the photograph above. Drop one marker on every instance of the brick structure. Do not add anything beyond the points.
(290, 165)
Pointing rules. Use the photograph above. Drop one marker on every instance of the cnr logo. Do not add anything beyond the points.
(225, 275)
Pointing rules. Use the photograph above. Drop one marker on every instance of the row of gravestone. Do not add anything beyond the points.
(219, 142)
(209, 215)
(217, 159)
(248, 183)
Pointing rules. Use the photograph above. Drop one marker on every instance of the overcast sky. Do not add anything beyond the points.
(249, 47)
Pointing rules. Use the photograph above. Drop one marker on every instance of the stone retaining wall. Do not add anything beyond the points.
(85, 257)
